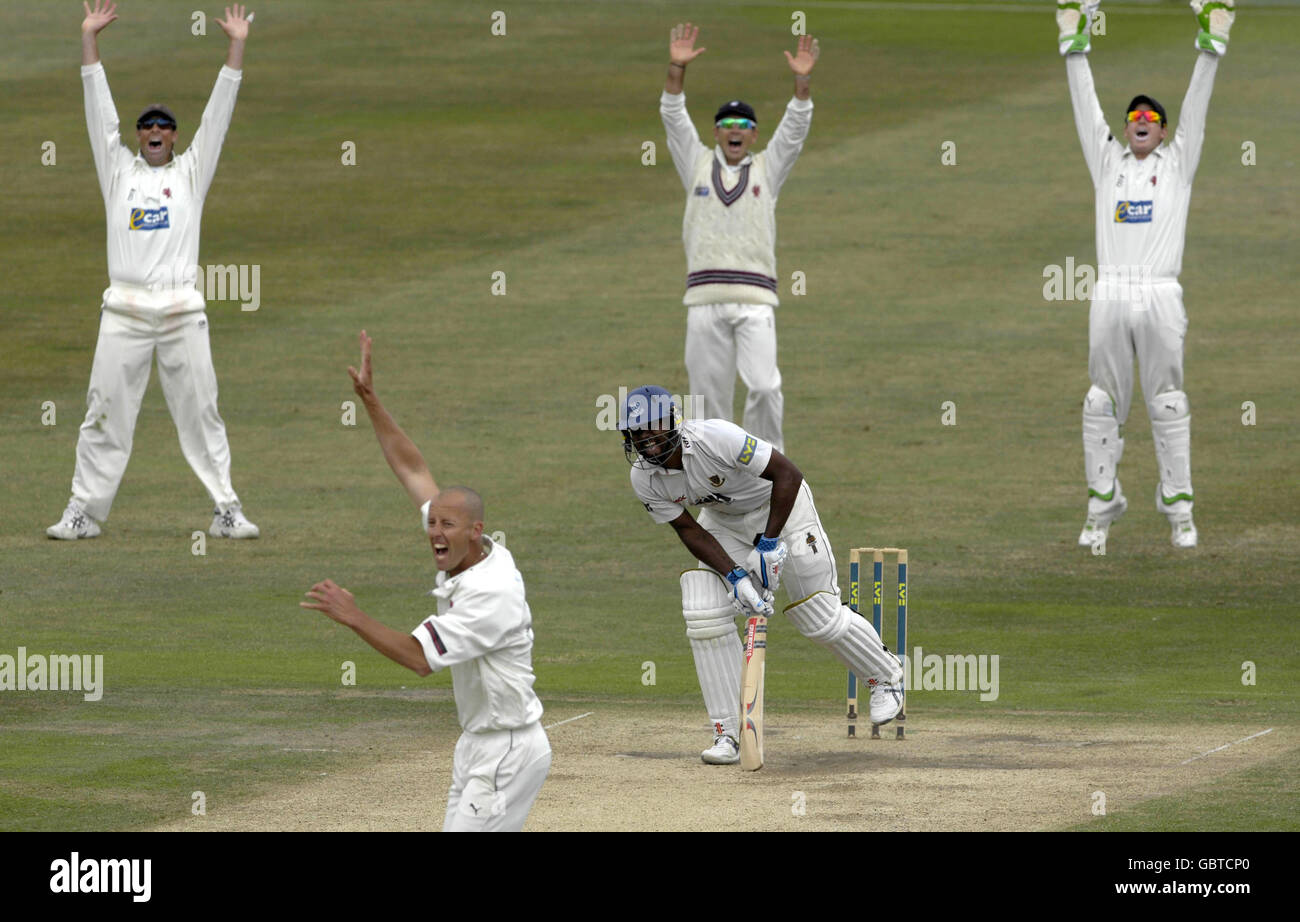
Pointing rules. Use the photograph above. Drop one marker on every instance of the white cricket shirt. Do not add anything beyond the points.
(1141, 205)
(721, 464)
(153, 213)
(729, 227)
(484, 632)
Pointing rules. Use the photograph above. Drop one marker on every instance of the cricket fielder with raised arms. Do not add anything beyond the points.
(154, 204)
(1143, 191)
(482, 632)
(757, 529)
(729, 230)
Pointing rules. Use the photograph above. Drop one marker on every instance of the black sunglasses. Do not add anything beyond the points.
(160, 121)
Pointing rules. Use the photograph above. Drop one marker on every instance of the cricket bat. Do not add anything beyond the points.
(751, 694)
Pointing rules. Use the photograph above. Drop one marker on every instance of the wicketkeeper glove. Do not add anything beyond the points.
(745, 596)
(1215, 17)
(766, 561)
(1074, 22)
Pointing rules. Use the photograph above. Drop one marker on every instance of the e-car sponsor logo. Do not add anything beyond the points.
(747, 453)
(148, 219)
(1133, 212)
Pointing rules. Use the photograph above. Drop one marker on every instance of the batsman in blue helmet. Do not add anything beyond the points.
(757, 529)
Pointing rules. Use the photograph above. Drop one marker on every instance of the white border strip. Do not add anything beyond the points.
(1226, 745)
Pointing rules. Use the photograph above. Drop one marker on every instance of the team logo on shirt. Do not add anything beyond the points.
(1127, 212)
(702, 191)
(148, 219)
(747, 452)
(712, 499)
(756, 188)
(717, 480)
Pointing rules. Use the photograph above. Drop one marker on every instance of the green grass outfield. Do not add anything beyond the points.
(522, 154)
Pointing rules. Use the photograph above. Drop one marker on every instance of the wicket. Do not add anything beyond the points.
(877, 599)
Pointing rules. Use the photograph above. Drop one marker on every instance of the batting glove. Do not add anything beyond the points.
(766, 561)
(1215, 17)
(1074, 25)
(745, 596)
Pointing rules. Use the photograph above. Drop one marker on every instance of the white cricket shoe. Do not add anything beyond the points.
(724, 751)
(886, 702)
(74, 524)
(1101, 514)
(230, 523)
(1182, 531)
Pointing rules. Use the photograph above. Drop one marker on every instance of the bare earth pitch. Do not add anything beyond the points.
(1021, 771)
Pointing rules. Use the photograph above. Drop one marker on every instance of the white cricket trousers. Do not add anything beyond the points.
(1149, 323)
(495, 777)
(118, 378)
(722, 339)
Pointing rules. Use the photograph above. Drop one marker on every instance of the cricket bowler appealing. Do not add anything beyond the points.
(483, 633)
(154, 204)
(730, 235)
(757, 528)
(1142, 196)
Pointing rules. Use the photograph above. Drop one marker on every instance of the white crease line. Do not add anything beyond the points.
(309, 750)
(1226, 745)
(579, 717)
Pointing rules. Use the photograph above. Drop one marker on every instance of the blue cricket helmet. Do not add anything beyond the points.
(649, 408)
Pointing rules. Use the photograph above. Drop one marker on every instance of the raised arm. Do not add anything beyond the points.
(787, 140)
(96, 21)
(399, 451)
(220, 109)
(802, 62)
(681, 51)
(1089, 121)
(1190, 135)
(1074, 27)
(101, 114)
(1215, 18)
(683, 140)
(235, 25)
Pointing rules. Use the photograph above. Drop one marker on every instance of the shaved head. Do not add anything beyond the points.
(466, 498)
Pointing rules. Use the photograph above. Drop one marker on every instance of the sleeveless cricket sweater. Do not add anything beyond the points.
(730, 235)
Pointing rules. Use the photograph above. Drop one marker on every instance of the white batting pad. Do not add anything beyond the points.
(1102, 446)
(711, 628)
(824, 619)
(1171, 430)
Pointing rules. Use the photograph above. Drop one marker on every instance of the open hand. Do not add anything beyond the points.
(235, 25)
(97, 20)
(681, 45)
(805, 56)
(362, 381)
